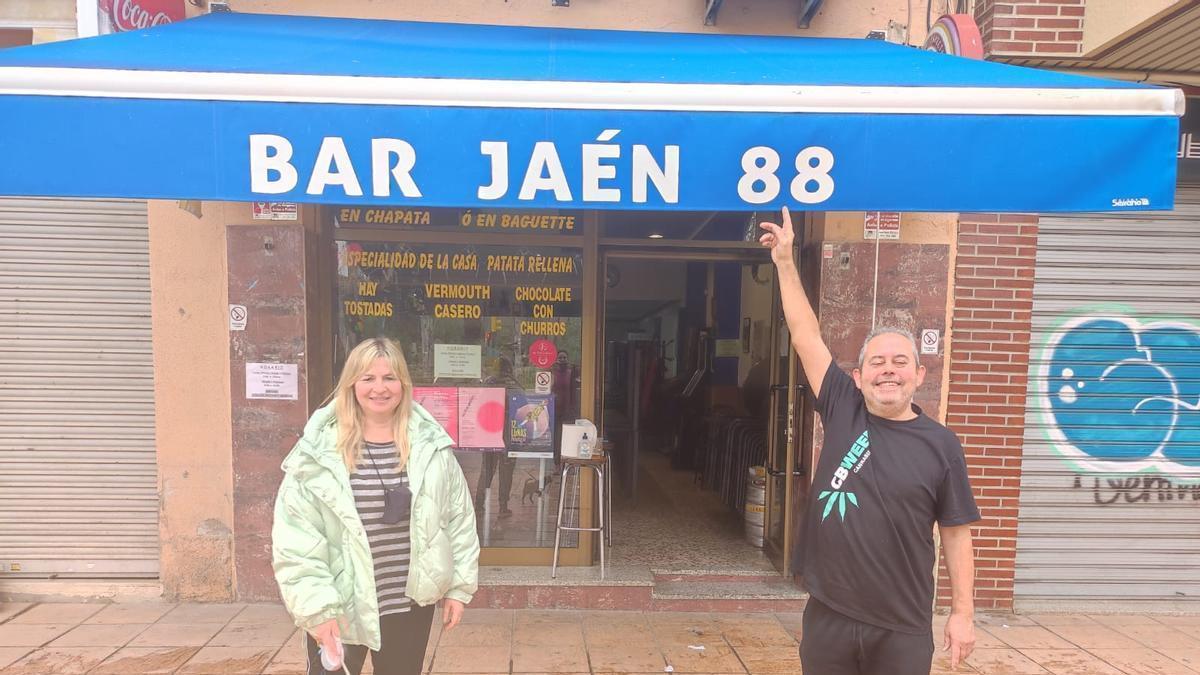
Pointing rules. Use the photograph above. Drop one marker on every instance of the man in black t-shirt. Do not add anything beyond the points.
(886, 474)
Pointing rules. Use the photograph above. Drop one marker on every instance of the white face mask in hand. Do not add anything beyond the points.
(332, 661)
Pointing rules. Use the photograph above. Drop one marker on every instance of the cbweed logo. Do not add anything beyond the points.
(853, 460)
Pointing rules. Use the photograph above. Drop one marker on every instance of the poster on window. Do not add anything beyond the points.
(530, 425)
(442, 403)
(481, 417)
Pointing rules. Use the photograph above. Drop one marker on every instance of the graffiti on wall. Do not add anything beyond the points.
(1122, 397)
(1138, 489)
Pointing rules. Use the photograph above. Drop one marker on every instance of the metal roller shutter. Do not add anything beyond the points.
(1110, 487)
(78, 479)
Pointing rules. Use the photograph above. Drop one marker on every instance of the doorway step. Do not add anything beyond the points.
(725, 591)
(637, 588)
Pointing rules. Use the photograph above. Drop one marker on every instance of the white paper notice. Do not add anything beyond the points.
(458, 361)
(272, 381)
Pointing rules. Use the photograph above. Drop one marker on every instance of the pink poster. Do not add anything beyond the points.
(442, 403)
(481, 417)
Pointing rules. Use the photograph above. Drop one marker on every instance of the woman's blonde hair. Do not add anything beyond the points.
(350, 415)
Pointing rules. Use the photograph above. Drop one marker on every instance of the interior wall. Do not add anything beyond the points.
(756, 306)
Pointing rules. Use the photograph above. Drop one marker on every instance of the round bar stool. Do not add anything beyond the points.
(598, 464)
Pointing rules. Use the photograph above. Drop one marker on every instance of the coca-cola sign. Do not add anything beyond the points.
(118, 16)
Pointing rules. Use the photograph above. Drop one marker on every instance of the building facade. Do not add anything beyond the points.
(239, 290)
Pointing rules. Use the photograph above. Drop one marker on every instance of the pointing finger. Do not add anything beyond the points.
(787, 219)
(771, 228)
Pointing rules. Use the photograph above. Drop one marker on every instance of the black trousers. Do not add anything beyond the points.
(835, 644)
(401, 649)
(487, 470)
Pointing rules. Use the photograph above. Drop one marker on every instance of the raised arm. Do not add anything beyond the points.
(801, 321)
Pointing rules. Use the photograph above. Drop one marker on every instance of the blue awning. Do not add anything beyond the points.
(246, 107)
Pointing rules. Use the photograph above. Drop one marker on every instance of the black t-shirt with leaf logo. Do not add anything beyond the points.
(866, 540)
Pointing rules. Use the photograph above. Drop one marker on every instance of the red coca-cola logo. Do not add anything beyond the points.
(127, 15)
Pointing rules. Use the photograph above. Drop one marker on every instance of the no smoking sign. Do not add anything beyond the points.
(930, 338)
(542, 382)
(237, 317)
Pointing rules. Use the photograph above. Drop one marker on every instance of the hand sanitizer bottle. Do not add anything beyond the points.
(585, 447)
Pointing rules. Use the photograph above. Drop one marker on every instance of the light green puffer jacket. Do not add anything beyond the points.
(319, 548)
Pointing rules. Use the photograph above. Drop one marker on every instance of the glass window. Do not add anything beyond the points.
(492, 339)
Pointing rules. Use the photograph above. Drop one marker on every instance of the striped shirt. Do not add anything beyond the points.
(389, 542)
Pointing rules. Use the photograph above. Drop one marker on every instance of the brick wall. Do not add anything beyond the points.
(989, 365)
(1053, 28)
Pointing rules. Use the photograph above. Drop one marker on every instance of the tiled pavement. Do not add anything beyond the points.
(200, 639)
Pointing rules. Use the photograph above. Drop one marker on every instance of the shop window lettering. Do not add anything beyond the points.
(1140, 489)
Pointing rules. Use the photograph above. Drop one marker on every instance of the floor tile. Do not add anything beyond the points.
(471, 660)
(990, 619)
(1029, 637)
(768, 635)
(549, 658)
(30, 635)
(792, 621)
(265, 612)
(715, 658)
(941, 662)
(286, 669)
(555, 616)
(228, 661)
(291, 659)
(266, 635)
(504, 616)
(615, 618)
(145, 661)
(1159, 636)
(1125, 619)
(984, 638)
(60, 661)
(100, 635)
(605, 636)
(57, 612)
(548, 634)
(1169, 620)
(478, 634)
(1095, 636)
(176, 635)
(12, 654)
(1050, 620)
(138, 612)
(1007, 661)
(626, 659)
(769, 660)
(203, 613)
(1188, 657)
(10, 609)
(1069, 662)
(1142, 661)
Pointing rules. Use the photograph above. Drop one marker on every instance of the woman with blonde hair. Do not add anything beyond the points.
(373, 522)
